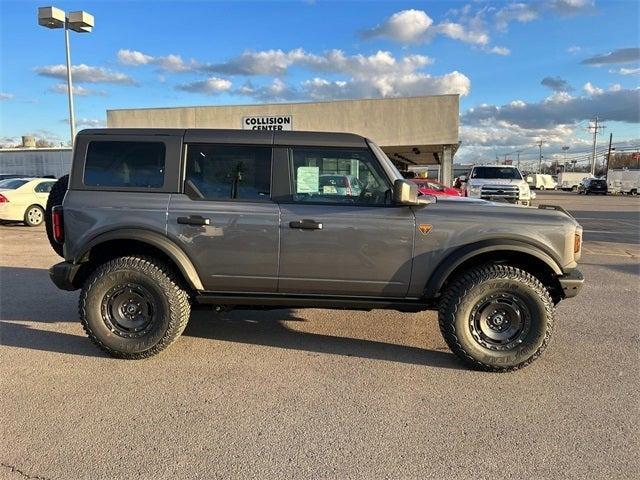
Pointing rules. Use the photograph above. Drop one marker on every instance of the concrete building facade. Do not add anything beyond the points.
(411, 131)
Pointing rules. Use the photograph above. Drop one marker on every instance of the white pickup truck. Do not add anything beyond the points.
(498, 182)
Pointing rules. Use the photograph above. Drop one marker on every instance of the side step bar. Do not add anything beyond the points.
(301, 301)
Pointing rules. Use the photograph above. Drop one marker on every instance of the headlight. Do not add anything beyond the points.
(475, 189)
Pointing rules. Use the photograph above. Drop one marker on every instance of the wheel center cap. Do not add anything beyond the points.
(131, 309)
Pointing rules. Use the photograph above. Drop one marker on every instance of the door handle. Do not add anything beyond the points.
(194, 220)
(306, 224)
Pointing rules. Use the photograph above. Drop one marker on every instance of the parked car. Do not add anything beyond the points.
(498, 182)
(540, 181)
(593, 185)
(24, 199)
(348, 185)
(145, 241)
(432, 187)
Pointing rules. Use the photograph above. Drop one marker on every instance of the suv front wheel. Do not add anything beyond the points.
(496, 317)
(133, 307)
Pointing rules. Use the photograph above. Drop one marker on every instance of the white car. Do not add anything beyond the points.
(498, 183)
(24, 199)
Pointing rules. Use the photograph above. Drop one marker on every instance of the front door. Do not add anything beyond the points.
(339, 233)
(225, 220)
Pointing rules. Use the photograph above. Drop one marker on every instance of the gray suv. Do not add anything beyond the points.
(154, 222)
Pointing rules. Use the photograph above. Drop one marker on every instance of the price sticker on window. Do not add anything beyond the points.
(308, 180)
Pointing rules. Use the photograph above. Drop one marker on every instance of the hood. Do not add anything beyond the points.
(495, 181)
(506, 212)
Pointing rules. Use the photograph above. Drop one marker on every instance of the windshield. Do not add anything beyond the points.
(496, 172)
(12, 183)
(392, 172)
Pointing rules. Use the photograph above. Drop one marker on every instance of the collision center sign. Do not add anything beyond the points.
(275, 122)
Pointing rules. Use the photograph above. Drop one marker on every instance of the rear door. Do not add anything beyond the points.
(335, 241)
(225, 220)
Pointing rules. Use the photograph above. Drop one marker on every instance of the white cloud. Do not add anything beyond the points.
(504, 51)
(616, 105)
(626, 71)
(169, 63)
(85, 74)
(6, 96)
(87, 122)
(458, 31)
(267, 62)
(78, 90)
(406, 26)
(515, 12)
(574, 49)
(412, 84)
(210, 86)
(591, 89)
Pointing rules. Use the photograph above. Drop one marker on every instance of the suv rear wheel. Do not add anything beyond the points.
(496, 317)
(133, 307)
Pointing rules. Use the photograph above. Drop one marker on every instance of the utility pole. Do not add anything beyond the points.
(595, 128)
(540, 156)
(564, 164)
(518, 152)
(606, 171)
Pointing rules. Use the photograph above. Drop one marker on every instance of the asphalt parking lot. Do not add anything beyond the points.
(324, 394)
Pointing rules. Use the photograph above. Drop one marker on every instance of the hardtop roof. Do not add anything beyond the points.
(261, 137)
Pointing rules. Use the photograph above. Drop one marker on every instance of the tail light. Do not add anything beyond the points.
(3, 199)
(577, 243)
(57, 223)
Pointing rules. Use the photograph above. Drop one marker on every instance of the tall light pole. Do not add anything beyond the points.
(540, 156)
(81, 22)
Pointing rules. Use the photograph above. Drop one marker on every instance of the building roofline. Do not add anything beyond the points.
(287, 103)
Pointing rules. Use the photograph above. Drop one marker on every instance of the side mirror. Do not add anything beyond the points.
(405, 193)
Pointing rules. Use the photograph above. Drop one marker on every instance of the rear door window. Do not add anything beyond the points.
(228, 172)
(125, 164)
(44, 187)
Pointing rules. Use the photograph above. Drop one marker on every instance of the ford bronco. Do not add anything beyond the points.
(154, 222)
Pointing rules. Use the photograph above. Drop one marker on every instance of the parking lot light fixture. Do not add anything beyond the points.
(81, 22)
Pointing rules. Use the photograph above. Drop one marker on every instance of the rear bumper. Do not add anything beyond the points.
(62, 275)
(571, 283)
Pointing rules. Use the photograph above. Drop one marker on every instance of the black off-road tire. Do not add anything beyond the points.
(169, 304)
(56, 195)
(458, 309)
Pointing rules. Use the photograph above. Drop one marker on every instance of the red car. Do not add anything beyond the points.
(431, 187)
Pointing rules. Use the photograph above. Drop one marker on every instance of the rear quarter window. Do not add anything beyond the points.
(125, 164)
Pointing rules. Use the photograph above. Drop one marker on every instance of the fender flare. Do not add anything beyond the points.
(158, 240)
(456, 258)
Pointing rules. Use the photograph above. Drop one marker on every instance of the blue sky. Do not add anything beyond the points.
(497, 55)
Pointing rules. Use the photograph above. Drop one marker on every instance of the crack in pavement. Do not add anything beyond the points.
(20, 472)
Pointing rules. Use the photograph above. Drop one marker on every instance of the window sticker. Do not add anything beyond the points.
(308, 180)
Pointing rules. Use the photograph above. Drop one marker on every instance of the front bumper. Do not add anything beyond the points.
(571, 283)
(62, 275)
